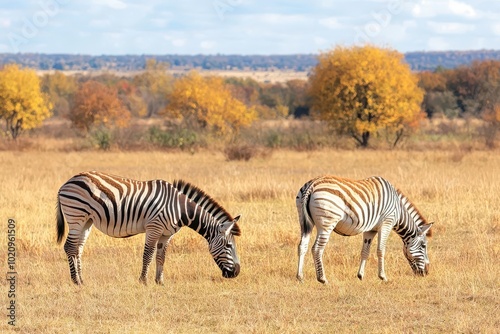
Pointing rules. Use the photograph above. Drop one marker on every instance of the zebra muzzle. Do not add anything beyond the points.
(231, 273)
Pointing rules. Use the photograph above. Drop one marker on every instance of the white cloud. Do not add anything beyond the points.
(398, 32)
(99, 23)
(207, 45)
(160, 23)
(4, 22)
(254, 27)
(175, 41)
(461, 9)
(423, 9)
(437, 44)
(330, 23)
(451, 27)
(496, 28)
(326, 4)
(178, 42)
(281, 19)
(427, 9)
(113, 35)
(320, 41)
(115, 4)
(5, 48)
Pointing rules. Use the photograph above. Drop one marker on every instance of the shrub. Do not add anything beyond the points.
(274, 139)
(240, 152)
(173, 138)
(102, 138)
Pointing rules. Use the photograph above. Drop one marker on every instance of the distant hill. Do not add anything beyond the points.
(299, 62)
(421, 61)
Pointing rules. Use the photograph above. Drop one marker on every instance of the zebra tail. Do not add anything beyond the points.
(60, 222)
(306, 223)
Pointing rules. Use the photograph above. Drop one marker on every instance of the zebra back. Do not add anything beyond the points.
(206, 202)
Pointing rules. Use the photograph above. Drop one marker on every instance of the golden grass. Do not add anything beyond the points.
(459, 191)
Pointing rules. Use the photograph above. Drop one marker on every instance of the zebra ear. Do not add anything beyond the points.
(426, 230)
(230, 227)
(236, 229)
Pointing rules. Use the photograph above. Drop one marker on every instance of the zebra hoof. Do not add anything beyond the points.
(323, 281)
(77, 282)
(143, 280)
(360, 277)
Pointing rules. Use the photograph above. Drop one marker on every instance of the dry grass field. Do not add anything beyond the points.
(272, 76)
(459, 191)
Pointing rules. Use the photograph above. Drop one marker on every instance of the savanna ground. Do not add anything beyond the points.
(458, 190)
(275, 75)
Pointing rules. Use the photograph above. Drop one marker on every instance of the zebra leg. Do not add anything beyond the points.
(365, 252)
(77, 236)
(152, 237)
(317, 251)
(385, 230)
(302, 250)
(72, 260)
(161, 249)
(81, 243)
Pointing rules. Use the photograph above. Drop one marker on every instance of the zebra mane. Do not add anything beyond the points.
(412, 209)
(206, 202)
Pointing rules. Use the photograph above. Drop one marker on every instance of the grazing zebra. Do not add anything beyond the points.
(350, 207)
(122, 208)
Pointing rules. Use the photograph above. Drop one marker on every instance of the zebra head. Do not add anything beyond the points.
(415, 250)
(223, 248)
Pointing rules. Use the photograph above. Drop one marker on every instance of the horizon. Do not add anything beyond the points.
(244, 27)
(233, 55)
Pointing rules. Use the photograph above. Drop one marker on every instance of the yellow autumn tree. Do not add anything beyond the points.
(60, 88)
(154, 84)
(207, 103)
(361, 91)
(23, 106)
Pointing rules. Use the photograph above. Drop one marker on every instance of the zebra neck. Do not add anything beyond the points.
(406, 227)
(198, 220)
(408, 222)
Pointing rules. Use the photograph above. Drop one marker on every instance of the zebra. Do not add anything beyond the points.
(350, 207)
(121, 208)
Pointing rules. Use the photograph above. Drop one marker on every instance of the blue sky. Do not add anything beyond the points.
(244, 26)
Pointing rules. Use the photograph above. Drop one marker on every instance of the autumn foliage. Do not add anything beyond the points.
(22, 104)
(207, 103)
(98, 105)
(366, 93)
(363, 90)
(60, 88)
(153, 86)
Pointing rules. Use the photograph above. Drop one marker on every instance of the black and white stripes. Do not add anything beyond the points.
(367, 206)
(123, 207)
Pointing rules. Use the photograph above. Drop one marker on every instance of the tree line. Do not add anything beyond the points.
(360, 92)
(418, 61)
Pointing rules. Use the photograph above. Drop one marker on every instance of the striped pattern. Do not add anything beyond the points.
(121, 208)
(351, 207)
